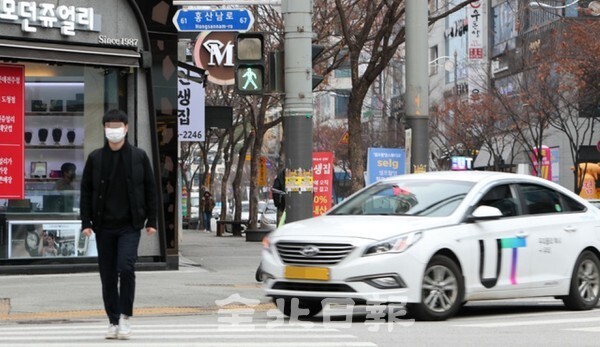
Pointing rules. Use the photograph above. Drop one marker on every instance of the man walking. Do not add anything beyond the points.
(278, 192)
(118, 199)
(206, 205)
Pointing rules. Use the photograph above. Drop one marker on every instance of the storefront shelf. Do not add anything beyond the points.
(54, 147)
(55, 114)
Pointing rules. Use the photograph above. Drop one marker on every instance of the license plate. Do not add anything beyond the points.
(307, 273)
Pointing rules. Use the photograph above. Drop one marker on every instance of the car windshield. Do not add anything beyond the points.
(407, 198)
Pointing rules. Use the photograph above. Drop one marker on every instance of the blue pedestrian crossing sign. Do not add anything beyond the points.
(240, 20)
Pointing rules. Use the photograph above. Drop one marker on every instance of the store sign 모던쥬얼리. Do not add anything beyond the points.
(31, 15)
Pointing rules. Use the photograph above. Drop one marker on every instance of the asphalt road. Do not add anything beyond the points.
(213, 300)
(506, 323)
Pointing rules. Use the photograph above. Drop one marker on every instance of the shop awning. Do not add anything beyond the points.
(63, 53)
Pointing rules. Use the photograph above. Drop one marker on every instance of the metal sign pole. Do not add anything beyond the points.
(298, 108)
(417, 83)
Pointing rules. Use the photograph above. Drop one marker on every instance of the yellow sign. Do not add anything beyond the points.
(345, 138)
(420, 168)
(298, 180)
(262, 172)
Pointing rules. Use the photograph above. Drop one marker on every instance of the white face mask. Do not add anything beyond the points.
(115, 135)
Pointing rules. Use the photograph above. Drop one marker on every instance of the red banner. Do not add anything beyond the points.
(12, 115)
(546, 171)
(322, 182)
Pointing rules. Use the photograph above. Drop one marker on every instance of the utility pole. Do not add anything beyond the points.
(417, 82)
(298, 107)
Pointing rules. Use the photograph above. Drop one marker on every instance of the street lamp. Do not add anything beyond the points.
(537, 3)
(451, 65)
(592, 9)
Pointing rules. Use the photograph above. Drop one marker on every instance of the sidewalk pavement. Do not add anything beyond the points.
(211, 269)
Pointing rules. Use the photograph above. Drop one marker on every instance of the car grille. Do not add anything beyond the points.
(301, 253)
(314, 287)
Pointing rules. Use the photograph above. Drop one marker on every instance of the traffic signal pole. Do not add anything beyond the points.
(298, 107)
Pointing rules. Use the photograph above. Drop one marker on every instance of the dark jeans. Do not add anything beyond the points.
(117, 254)
(207, 217)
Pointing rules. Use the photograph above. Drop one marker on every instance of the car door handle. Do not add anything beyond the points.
(522, 234)
(570, 229)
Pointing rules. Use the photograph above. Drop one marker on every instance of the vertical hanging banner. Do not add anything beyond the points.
(555, 164)
(408, 150)
(12, 119)
(261, 180)
(475, 36)
(546, 170)
(190, 106)
(322, 168)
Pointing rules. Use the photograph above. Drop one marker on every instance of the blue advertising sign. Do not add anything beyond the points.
(384, 162)
(213, 20)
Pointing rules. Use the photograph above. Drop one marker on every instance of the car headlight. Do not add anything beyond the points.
(266, 244)
(397, 244)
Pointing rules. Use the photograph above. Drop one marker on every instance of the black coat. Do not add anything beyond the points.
(279, 192)
(141, 188)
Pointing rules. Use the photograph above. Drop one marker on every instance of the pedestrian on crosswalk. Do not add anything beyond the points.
(118, 199)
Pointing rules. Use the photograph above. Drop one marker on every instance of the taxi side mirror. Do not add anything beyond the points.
(484, 212)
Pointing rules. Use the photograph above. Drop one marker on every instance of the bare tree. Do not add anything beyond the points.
(462, 127)
(187, 156)
(367, 34)
(557, 91)
(574, 109)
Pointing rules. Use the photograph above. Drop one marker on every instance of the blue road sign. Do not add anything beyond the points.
(213, 20)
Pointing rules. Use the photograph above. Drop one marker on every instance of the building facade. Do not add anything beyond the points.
(75, 61)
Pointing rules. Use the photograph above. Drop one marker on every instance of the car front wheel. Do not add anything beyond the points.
(585, 283)
(442, 291)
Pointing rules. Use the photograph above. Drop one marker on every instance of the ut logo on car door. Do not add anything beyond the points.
(514, 243)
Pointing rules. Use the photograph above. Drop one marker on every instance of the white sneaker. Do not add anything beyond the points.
(112, 332)
(124, 328)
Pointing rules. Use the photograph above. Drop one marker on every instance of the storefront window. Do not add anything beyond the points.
(64, 105)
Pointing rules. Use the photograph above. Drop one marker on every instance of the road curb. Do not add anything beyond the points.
(140, 312)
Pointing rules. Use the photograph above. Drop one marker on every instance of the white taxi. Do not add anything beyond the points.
(435, 240)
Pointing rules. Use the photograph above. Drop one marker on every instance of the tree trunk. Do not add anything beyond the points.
(355, 145)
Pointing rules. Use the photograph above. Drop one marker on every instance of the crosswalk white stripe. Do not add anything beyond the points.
(63, 337)
(60, 329)
(588, 330)
(132, 343)
(531, 322)
(183, 335)
(307, 325)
